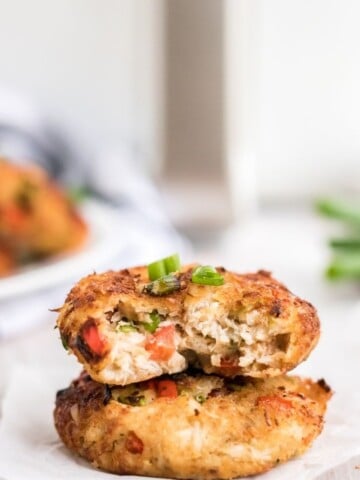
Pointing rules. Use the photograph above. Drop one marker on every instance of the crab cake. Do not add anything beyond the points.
(123, 332)
(191, 426)
(7, 261)
(36, 217)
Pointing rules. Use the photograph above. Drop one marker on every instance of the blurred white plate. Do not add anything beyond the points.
(103, 245)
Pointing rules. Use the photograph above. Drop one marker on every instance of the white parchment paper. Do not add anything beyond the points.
(30, 448)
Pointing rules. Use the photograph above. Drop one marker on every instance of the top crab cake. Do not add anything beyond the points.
(125, 329)
(36, 217)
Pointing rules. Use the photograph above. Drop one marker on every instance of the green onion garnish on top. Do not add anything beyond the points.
(156, 270)
(207, 275)
(163, 267)
(163, 286)
(172, 263)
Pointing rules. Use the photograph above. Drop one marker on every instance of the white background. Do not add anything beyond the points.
(300, 65)
(98, 67)
(94, 65)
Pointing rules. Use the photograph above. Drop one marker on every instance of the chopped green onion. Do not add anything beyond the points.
(207, 275)
(77, 194)
(155, 320)
(172, 263)
(132, 399)
(142, 401)
(163, 267)
(235, 387)
(163, 285)
(348, 244)
(200, 398)
(213, 281)
(346, 266)
(156, 270)
(206, 270)
(126, 328)
(64, 342)
(344, 210)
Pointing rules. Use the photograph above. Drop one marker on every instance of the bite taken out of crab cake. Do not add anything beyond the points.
(191, 426)
(125, 328)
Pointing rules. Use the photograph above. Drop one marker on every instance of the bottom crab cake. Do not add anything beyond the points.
(191, 425)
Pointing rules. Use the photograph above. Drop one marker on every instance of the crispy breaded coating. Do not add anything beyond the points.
(36, 217)
(202, 427)
(252, 325)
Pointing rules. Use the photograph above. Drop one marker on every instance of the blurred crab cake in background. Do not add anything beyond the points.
(37, 219)
(191, 426)
(139, 323)
(7, 261)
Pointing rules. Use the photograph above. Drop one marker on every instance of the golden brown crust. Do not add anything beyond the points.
(231, 434)
(36, 217)
(277, 319)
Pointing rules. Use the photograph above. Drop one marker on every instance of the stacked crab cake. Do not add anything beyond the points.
(186, 372)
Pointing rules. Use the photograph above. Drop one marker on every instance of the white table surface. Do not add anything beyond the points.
(292, 244)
